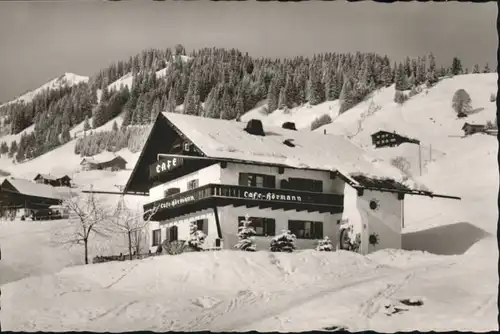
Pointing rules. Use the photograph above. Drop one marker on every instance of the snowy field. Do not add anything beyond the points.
(448, 265)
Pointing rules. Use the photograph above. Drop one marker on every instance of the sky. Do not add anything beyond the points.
(40, 40)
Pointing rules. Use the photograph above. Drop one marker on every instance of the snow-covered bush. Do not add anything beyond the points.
(245, 236)
(320, 121)
(461, 103)
(325, 245)
(174, 247)
(400, 97)
(196, 237)
(493, 97)
(284, 242)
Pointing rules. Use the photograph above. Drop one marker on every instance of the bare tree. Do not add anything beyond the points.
(87, 216)
(132, 224)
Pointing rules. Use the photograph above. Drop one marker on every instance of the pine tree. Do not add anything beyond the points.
(196, 237)
(284, 242)
(115, 127)
(386, 75)
(273, 96)
(487, 68)
(461, 103)
(13, 148)
(4, 148)
(475, 69)
(456, 66)
(316, 89)
(401, 79)
(246, 241)
(65, 135)
(282, 99)
(127, 118)
(86, 124)
(171, 100)
(432, 74)
(347, 98)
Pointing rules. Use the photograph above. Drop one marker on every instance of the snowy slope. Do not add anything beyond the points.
(127, 79)
(67, 79)
(236, 291)
(302, 116)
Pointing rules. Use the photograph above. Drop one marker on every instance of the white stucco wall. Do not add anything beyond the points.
(183, 224)
(210, 174)
(230, 175)
(228, 217)
(385, 221)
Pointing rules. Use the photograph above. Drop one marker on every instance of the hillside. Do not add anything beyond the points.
(67, 79)
(448, 263)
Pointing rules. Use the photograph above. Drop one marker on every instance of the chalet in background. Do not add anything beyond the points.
(117, 163)
(20, 198)
(390, 139)
(470, 129)
(213, 172)
(63, 181)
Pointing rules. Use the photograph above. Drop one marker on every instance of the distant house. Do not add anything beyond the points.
(117, 163)
(89, 164)
(63, 181)
(470, 129)
(390, 139)
(20, 197)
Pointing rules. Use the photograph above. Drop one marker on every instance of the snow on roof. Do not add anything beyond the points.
(48, 177)
(28, 187)
(226, 139)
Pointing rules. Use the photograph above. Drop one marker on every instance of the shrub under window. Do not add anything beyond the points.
(263, 226)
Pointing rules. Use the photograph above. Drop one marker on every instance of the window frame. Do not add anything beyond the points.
(301, 184)
(154, 234)
(268, 225)
(251, 180)
(316, 229)
(190, 183)
(204, 225)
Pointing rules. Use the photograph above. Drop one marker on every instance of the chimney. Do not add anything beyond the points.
(254, 127)
(289, 126)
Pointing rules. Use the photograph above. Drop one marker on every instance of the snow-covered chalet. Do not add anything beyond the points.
(213, 172)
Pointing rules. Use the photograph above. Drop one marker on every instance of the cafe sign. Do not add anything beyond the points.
(271, 196)
(164, 166)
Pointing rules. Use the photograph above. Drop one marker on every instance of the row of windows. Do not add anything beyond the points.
(263, 181)
(269, 181)
(262, 226)
(301, 228)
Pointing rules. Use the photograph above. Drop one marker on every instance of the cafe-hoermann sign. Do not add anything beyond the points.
(270, 196)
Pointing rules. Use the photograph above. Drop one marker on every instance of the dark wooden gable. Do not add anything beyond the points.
(163, 138)
(6, 185)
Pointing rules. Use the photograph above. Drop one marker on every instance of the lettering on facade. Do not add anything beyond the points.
(165, 165)
(270, 196)
(175, 202)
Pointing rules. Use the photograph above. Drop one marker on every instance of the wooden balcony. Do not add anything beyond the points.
(216, 195)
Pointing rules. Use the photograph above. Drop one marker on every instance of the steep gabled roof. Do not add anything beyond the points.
(226, 139)
(46, 177)
(27, 187)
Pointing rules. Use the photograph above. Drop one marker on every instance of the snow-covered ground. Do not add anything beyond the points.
(449, 262)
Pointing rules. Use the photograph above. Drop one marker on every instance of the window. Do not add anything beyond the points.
(306, 229)
(192, 184)
(156, 237)
(257, 180)
(305, 185)
(172, 233)
(202, 225)
(262, 226)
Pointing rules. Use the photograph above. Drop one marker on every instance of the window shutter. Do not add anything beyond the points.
(270, 227)
(269, 181)
(205, 226)
(318, 230)
(243, 179)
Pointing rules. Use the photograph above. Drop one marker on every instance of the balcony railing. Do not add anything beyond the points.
(245, 194)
